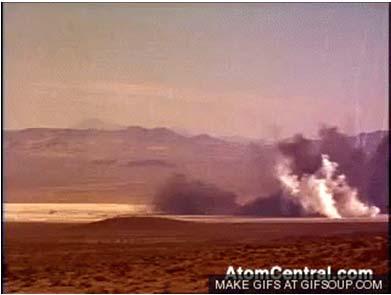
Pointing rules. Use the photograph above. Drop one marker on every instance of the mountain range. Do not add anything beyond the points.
(130, 165)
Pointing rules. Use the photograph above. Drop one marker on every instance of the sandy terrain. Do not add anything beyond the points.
(142, 255)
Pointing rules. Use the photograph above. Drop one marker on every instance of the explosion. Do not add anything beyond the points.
(323, 192)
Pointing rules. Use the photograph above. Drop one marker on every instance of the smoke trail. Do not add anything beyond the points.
(323, 192)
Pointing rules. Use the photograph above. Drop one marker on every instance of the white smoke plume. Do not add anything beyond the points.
(323, 192)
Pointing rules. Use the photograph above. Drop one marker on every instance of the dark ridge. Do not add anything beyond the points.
(205, 138)
(137, 223)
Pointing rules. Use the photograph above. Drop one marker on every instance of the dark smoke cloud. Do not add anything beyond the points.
(191, 197)
(274, 205)
(304, 154)
(378, 175)
(182, 196)
(350, 157)
(368, 173)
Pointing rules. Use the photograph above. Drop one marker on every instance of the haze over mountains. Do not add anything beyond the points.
(130, 165)
(95, 123)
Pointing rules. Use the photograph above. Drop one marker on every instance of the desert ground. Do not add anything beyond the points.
(161, 255)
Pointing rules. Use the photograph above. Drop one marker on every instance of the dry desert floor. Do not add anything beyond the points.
(160, 255)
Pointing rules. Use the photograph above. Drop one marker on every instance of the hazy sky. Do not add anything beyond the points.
(257, 70)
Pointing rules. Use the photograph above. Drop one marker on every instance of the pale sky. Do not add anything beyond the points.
(253, 70)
